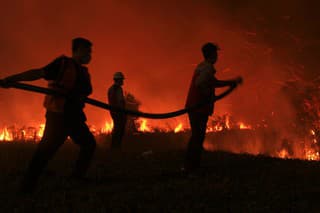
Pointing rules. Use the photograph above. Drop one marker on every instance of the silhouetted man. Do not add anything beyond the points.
(116, 98)
(64, 114)
(202, 89)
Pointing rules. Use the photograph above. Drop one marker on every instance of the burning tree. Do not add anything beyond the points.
(304, 96)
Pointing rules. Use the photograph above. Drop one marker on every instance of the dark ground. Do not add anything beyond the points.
(145, 177)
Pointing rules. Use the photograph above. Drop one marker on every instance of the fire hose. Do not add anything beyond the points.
(106, 106)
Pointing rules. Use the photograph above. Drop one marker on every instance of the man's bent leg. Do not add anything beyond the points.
(81, 135)
(53, 137)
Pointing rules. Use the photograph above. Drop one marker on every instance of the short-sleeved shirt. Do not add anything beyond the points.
(202, 88)
(74, 103)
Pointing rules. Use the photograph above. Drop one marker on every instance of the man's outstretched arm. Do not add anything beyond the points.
(30, 75)
(223, 83)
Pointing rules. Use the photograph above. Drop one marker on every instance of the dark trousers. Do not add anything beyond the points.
(198, 123)
(119, 126)
(57, 129)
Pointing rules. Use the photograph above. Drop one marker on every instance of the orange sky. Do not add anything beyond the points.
(157, 46)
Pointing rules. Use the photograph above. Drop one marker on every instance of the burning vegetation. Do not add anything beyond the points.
(224, 132)
(266, 42)
(298, 137)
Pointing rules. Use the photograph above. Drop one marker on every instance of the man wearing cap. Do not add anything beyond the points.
(116, 98)
(202, 88)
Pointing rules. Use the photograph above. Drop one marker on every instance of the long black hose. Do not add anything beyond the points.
(100, 104)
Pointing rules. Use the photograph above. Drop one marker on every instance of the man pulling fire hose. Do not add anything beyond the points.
(64, 114)
(202, 88)
(69, 85)
(99, 104)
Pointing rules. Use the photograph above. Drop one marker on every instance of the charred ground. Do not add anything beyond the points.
(145, 177)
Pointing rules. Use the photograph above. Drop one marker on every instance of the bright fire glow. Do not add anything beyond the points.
(143, 126)
(41, 130)
(283, 154)
(244, 126)
(107, 127)
(312, 155)
(228, 122)
(5, 135)
(178, 128)
(216, 128)
(222, 123)
(312, 132)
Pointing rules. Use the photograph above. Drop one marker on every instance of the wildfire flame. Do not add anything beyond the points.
(283, 154)
(5, 135)
(107, 127)
(178, 128)
(244, 126)
(222, 123)
(143, 126)
(312, 155)
(312, 132)
(228, 122)
(41, 130)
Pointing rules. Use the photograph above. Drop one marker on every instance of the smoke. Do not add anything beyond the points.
(157, 46)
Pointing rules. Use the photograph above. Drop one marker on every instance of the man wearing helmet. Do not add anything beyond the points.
(116, 98)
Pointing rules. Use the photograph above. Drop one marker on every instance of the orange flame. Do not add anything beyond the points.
(244, 126)
(143, 126)
(107, 127)
(41, 130)
(5, 135)
(178, 128)
(228, 122)
(312, 155)
(310, 152)
(283, 154)
(312, 132)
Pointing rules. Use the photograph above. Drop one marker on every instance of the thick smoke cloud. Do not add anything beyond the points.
(157, 45)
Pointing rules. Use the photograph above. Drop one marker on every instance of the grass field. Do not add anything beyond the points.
(145, 177)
